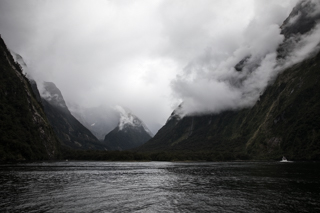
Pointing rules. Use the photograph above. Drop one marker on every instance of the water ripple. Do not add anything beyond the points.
(160, 187)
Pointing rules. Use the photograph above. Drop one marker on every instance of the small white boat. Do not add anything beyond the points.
(284, 159)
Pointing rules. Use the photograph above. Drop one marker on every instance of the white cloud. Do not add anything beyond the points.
(216, 85)
(130, 52)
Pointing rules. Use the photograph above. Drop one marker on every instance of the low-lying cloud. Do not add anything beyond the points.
(240, 76)
(149, 56)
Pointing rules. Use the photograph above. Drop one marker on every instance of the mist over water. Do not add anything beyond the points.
(160, 187)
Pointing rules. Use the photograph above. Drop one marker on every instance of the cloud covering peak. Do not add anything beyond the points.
(240, 76)
(150, 56)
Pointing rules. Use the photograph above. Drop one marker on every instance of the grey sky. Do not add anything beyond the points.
(145, 55)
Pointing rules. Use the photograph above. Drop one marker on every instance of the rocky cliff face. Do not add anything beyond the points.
(288, 115)
(25, 133)
(304, 18)
(69, 130)
(284, 121)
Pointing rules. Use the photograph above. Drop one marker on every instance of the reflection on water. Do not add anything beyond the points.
(160, 187)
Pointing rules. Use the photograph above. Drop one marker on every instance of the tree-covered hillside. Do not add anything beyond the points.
(25, 133)
(71, 133)
(285, 121)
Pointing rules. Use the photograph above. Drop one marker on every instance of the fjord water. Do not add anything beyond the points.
(160, 187)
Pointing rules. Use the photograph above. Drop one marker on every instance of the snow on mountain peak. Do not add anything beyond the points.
(129, 119)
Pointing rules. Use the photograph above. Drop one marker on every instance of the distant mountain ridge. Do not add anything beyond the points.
(285, 120)
(127, 118)
(130, 133)
(69, 130)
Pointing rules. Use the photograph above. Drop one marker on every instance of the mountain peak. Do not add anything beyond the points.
(53, 95)
(303, 18)
(128, 119)
(130, 133)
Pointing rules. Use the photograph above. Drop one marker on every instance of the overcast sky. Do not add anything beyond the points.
(148, 56)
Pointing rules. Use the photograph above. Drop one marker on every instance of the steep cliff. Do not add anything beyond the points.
(284, 121)
(25, 133)
(69, 130)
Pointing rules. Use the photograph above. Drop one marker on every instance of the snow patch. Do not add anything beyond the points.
(129, 119)
(126, 118)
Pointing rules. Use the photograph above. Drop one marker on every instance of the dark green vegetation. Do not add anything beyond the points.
(127, 138)
(25, 133)
(69, 130)
(285, 121)
(291, 109)
(146, 156)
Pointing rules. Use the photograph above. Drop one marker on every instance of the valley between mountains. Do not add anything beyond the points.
(282, 119)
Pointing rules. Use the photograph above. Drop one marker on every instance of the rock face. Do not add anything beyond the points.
(69, 130)
(303, 18)
(25, 133)
(130, 133)
(284, 121)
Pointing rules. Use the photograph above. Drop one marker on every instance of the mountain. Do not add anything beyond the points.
(284, 121)
(69, 130)
(303, 18)
(25, 133)
(131, 132)
(99, 120)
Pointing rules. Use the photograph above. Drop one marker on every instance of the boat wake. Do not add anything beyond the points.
(286, 161)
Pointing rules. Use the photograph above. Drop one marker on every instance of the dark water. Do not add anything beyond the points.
(160, 187)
